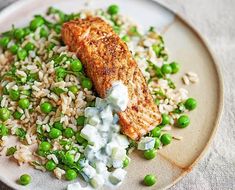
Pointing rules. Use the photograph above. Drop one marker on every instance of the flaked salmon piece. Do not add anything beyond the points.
(106, 59)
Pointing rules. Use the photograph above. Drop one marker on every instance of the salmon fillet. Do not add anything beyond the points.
(106, 59)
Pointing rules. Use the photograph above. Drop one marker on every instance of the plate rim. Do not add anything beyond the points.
(212, 55)
(220, 106)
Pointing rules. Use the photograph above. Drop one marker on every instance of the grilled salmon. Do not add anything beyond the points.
(106, 59)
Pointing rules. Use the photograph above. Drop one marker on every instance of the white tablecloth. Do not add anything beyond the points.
(215, 20)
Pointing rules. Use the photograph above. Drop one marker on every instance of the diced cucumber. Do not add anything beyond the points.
(89, 171)
(94, 120)
(146, 143)
(97, 181)
(118, 96)
(107, 114)
(100, 103)
(100, 167)
(89, 133)
(118, 154)
(117, 176)
(91, 111)
(122, 140)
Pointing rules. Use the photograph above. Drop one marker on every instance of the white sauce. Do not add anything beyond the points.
(107, 147)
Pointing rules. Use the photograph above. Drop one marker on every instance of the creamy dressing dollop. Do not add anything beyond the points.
(107, 147)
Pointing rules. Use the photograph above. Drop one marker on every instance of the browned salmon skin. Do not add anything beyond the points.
(106, 59)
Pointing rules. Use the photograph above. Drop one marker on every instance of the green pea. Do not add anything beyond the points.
(68, 158)
(5, 114)
(22, 54)
(27, 31)
(175, 67)
(60, 72)
(74, 89)
(44, 33)
(29, 46)
(113, 9)
(14, 94)
(166, 69)
(126, 38)
(26, 92)
(68, 132)
(24, 103)
(3, 130)
(81, 120)
(165, 119)
(156, 132)
(36, 22)
(76, 65)
(150, 154)
(17, 115)
(126, 162)
(79, 138)
(25, 179)
(190, 104)
(58, 125)
(166, 139)
(50, 165)
(19, 33)
(46, 107)
(183, 121)
(54, 133)
(70, 174)
(4, 42)
(86, 83)
(157, 143)
(44, 146)
(150, 180)
(57, 28)
(14, 48)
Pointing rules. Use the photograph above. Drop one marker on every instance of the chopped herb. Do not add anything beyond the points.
(133, 31)
(11, 151)
(151, 29)
(20, 132)
(171, 83)
(58, 90)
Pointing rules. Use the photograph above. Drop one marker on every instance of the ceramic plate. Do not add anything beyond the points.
(186, 47)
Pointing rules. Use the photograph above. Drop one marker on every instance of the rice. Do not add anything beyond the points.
(59, 173)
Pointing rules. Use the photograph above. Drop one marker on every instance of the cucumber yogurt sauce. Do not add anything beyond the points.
(107, 147)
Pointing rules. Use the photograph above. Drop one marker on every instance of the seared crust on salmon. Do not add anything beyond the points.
(106, 59)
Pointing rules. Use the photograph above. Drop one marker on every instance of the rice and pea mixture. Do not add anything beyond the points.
(47, 102)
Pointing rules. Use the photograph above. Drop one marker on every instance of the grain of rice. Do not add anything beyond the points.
(26, 112)
(28, 139)
(21, 73)
(3, 102)
(59, 172)
(46, 128)
(185, 80)
(193, 79)
(39, 167)
(167, 128)
(191, 74)
(177, 137)
(53, 157)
